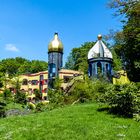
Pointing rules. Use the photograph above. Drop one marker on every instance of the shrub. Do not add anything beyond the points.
(45, 102)
(40, 106)
(7, 95)
(31, 105)
(85, 90)
(98, 90)
(81, 92)
(56, 98)
(123, 99)
(2, 109)
(20, 97)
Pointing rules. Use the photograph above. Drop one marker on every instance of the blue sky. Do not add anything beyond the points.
(27, 26)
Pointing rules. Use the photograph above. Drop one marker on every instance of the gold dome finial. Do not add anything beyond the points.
(99, 37)
(55, 45)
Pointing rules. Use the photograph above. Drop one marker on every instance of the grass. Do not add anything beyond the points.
(78, 122)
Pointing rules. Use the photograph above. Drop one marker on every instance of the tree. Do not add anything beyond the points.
(37, 66)
(117, 64)
(7, 95)
(19, 65)
(20, 97)
(128, 48)
(77, 60)
(24, 68)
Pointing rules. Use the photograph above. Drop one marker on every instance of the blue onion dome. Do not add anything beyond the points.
(55, 45)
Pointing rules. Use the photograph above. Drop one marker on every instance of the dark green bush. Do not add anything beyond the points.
(56, 98)
(123, 99)
(81, 92)
(40, 107)
(86, 90)
(20, 97)
(2, 109)
(98, 90)
(7, 95)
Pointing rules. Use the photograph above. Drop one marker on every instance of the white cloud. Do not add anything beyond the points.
(11, 47)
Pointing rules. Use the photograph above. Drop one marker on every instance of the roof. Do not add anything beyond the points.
(99, 50)
(62, 71)
(69, 71)
(55, 45)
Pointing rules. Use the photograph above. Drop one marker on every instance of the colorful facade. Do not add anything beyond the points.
(39, 81)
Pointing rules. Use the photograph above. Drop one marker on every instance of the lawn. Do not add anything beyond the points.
(78, 122)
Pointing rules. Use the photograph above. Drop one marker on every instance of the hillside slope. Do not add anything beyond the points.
(78, 122)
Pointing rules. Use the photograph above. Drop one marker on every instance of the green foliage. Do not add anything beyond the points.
(19, 65)
(80, 93)
(7, 95)
(77, 60)
(123, 99)
(127, 42)
(85, 91)
(31, 105)
(20, 97)
(2, 109)
(56, 95)
(56, 98)
(37, 66)
(40, 107)
(117, 64)
(57, 83)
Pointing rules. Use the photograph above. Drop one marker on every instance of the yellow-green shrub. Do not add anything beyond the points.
(31, 106)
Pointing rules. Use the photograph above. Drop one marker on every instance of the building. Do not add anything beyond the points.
(55, 59)
(100, 65)
(43, 80)
(100, 61)
(39, 81)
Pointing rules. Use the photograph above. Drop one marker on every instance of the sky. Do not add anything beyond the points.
(27, 26)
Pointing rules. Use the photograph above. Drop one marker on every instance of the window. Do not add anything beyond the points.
(25, 82)
(30, 91)
(52, 70)
(67, 79)
(34, 82)
(99, 68)
(106, 67)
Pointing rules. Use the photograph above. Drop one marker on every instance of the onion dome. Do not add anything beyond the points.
(55, 45)
(99, 50)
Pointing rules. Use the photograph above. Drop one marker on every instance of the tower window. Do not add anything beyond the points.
(106, 67)
(99, 68)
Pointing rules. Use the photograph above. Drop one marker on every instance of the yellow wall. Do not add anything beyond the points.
(36, 76)
(123, 79)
